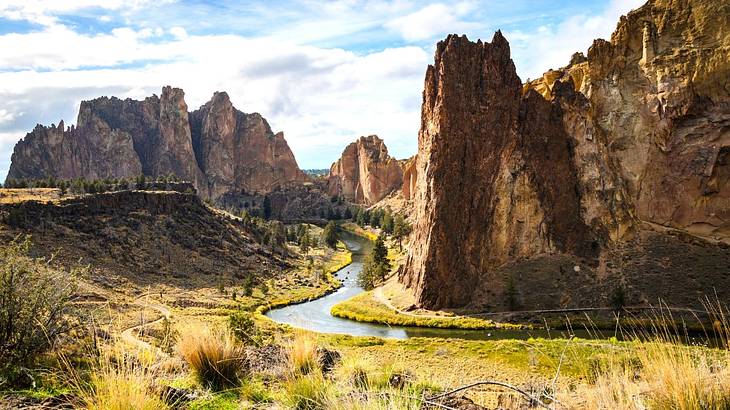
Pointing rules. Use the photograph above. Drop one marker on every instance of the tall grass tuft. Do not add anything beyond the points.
(216, 360)
(303, 355)
(118, 382)
(308, 392)
(664, 372)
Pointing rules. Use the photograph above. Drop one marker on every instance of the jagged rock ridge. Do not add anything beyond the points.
(538, 199)
(365, 173)
(217, 147)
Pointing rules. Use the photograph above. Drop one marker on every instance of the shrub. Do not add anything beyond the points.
(216, 360)
(34, 302)
(243, 327)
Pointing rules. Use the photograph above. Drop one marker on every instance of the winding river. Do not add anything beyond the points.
(315, 314)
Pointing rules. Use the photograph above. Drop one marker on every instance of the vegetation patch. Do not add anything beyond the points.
(365, 308)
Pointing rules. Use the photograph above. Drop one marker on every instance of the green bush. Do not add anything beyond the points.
(34, 304)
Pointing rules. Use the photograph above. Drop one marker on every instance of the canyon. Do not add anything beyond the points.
(607, 177)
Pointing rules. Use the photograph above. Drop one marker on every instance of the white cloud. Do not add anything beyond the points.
(432, 21)
(43, 11)
(6, 116)
(179, 33)
(551, 46)
(322, 98)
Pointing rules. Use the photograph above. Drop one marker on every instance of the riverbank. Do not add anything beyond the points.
(365, 307)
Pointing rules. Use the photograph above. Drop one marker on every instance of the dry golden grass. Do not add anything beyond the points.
(302, 354)
(217, 361)
(117, 381)
(14, 195)
(665, 374)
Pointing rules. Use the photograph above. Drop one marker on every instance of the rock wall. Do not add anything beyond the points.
(365, 173)
(410, 177)
(623, 151)
(217, 147)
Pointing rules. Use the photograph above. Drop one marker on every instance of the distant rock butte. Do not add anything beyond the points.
(365, 173)
(535, 195)
(217, 147)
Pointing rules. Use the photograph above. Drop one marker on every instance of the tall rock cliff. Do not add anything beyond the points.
(365, 173)
(217, 147)
(609, 174)
(239, 152)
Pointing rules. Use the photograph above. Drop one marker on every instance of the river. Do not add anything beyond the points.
(315, 315)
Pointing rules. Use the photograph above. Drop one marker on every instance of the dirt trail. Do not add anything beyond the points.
(129, 335)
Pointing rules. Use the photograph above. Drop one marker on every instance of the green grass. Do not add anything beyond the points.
(364, 308)
(357, 230)
(228, 400)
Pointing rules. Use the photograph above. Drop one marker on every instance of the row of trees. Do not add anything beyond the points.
(301, 235)
(85, 186)
(383, 218)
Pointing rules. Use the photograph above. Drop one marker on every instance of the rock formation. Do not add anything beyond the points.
(365, 173)
(217, 147)
(410, 177)
(536, 194)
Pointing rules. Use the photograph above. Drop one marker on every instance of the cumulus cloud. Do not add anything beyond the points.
(432, 21)
(550, 46)
(179, 33)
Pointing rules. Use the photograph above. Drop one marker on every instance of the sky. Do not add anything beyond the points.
(323, 72)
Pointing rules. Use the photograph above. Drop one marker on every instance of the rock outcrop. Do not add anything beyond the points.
(535, 194)
(365, 173)
(217, 147)
(410, 177)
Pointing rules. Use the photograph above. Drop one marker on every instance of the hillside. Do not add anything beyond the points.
(145, 237)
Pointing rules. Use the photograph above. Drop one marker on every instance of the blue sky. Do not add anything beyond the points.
(322, 72)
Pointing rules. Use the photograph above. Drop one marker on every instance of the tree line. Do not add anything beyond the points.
(85, 186)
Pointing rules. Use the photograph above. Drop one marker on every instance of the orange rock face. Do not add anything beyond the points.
(217, 147)
(365, 173)
(410, 177)
(610, 173)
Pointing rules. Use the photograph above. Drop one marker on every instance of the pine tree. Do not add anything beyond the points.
(330, 235)
(401, 229)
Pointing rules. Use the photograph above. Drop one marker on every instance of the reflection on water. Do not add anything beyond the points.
(315, 315)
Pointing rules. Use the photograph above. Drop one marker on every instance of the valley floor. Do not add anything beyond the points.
(149, 331)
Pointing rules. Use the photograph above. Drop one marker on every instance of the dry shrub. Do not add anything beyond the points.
(119, 382)
(303, 356)
(34, 304)
(308, 392)
(216, 359)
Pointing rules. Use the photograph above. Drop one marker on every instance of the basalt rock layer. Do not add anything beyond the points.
(218, 148)
(365, 173)
(532, 196)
